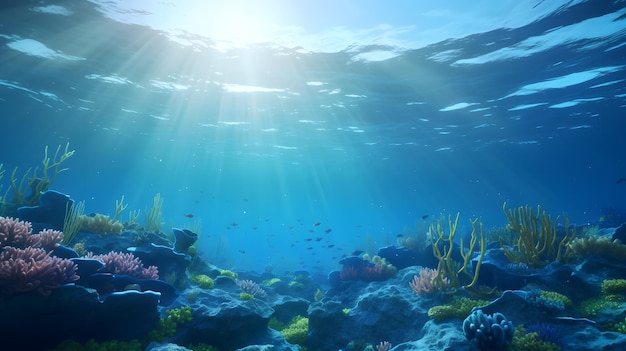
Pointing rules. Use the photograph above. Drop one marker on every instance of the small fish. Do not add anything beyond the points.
(399, 235)
(330, 246)
(317, 224)
(425, 216)
(308, 239)
(233, 224)
(621, 180)
(242, 251)
(311, 231)
(357, 252)
(318, 239)
(255, 228)
(327, 231)
(188, 215)
(309, 248)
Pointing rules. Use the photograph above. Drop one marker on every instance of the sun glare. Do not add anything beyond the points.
(236, 23)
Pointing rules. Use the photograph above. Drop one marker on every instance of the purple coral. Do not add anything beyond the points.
(24, 270)
(125, 263)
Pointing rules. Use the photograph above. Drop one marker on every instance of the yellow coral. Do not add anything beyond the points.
(537, 244)
(100, 224)
(603, 246)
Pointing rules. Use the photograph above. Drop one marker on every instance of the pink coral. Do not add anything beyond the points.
(47, 239)
(427, 282)
(125, 263)
(14, 232)
(23, 270)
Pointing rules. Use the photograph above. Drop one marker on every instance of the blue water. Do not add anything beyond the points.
(293, 158)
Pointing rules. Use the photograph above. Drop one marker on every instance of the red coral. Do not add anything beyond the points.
(14, 232)
(125, 263)
(23, 270)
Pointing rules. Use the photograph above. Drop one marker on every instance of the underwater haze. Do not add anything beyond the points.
(291, 134)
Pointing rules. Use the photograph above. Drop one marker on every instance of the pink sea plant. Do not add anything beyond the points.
(24, 270)
(427, 282)
(125, 263)
(14, 232)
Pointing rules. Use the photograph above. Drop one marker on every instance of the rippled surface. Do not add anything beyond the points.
(298, 142)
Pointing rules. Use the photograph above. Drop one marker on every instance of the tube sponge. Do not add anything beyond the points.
(488, 332)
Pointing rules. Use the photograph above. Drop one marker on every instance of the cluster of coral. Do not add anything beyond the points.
(535, 284)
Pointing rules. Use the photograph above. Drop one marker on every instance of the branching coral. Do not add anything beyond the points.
(25, 264)
(367, 269)
(14, 232)
(447, 267)
(32, 269)
(602, 246)
(101, 224)
(125, 263)
(26, 190)
(537, 244)
(427, 282)
(252, 288)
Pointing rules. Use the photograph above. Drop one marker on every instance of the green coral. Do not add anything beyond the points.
(612, 286)
(296, 285)
(618, 327)
(270, 282)
(591, 307)
(530, 342)
(553, 295)
(244, 296)
(167, 326)
(227, 273)
(203, 281)
(459, 308)
(295, 332)
(276, 324)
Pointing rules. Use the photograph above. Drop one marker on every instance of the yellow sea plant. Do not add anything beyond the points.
(606, 247)
(443, 247)
(537, 243)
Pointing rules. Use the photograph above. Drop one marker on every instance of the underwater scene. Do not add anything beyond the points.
(312, 175)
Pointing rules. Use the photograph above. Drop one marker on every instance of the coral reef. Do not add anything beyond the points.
(24, 270)
(427, 282)
(203, 281)
(488, 332)
(606, 247)
(443, 247)
(252, 288)
(537, 244)
(125, 263)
